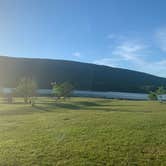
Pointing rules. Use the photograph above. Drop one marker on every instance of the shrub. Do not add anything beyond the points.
(62, 90)
(152, 96)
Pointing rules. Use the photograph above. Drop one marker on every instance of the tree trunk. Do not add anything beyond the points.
(25, 99)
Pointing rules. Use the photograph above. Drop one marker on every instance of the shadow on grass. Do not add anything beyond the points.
(98, 105)
(121, 110)
(89, 106)
(49, 107)
(102, 103)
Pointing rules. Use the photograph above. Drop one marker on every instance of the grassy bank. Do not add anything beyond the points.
(83, 131)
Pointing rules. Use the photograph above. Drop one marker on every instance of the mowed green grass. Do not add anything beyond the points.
(82, 132)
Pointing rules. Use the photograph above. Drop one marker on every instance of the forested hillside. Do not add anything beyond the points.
(83, 76)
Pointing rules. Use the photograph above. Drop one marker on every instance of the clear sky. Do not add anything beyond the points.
(120, 33)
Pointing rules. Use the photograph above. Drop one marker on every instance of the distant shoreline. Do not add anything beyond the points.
(82, 93)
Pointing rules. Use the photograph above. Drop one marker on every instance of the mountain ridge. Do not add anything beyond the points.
(84, 76)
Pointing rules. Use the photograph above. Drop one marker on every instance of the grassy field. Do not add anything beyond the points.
(82, 132)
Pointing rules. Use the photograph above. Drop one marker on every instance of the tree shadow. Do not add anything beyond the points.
(103, 105)
(122, 105)
(88, 104)
(40, 108)
(49, 107)
(84, 105)
(122, 110)
(65, 106)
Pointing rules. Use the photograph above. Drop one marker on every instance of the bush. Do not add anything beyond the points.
(160, 90)
(152, 96)
(62, 90)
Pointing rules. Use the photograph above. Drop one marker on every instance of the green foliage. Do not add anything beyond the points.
(26, 89)
(161, 90)
(62, 90)
(152, 96)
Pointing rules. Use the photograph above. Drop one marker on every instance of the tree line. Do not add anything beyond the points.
(27, 89)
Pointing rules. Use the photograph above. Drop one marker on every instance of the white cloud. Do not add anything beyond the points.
(76, 54)
(132, 54)
(108, 62)
(124, 52)
(137, 53)
(156, 68)
(129, 51)
(161, 38)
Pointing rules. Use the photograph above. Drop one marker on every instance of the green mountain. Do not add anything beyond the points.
(83, 76)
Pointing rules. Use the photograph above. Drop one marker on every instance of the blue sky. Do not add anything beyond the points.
(120, 33)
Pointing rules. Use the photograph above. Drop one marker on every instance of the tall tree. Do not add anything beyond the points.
(27, 89)
(152, 96)
(62, 90)
(161, 90)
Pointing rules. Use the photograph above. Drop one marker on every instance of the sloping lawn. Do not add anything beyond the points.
(83, 132)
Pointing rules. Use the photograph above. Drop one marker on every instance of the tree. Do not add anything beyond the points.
(62, 90)
(152, 96)
(27, 89)
(1, 91)
(161, 90)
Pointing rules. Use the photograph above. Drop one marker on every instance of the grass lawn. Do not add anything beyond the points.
(82, 132)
